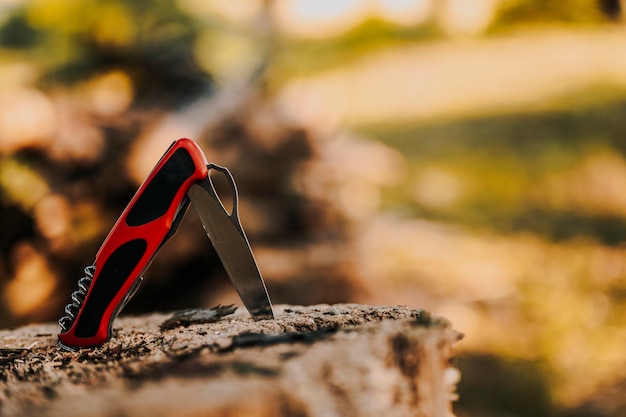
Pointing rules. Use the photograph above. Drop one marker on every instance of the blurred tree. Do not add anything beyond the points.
(108, 75)
(612, 8)
(105, 68)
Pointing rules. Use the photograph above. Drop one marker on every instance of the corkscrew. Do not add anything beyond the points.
(180, 178)
(78, 296)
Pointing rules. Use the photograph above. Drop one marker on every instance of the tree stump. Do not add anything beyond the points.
(339, 360)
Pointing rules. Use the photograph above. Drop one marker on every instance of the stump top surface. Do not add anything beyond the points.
(211, 349)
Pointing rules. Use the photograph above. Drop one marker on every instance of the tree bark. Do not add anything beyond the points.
(340, 360)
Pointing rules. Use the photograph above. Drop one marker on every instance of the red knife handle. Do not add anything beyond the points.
(145, 224)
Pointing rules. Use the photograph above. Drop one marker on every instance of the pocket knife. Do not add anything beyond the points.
(182, 176)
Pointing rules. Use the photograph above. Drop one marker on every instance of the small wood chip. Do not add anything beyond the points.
(12, 355)
(186, 318)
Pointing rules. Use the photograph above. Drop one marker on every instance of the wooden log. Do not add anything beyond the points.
(339, 360)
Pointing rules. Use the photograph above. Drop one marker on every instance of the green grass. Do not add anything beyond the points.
(298, 57)
(503, 158)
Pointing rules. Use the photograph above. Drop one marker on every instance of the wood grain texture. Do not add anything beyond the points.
(339, 360)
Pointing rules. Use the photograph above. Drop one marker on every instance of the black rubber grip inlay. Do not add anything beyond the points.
(113, 274)
(159, 193)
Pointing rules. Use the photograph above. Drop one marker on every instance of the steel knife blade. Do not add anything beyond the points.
(229, 240)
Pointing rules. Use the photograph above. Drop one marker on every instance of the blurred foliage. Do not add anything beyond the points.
(301, 56)
(151, 41)
(512, 12)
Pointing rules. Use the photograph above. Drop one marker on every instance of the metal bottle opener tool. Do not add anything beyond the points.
(181, 176)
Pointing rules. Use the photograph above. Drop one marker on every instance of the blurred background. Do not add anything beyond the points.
(462, 156)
